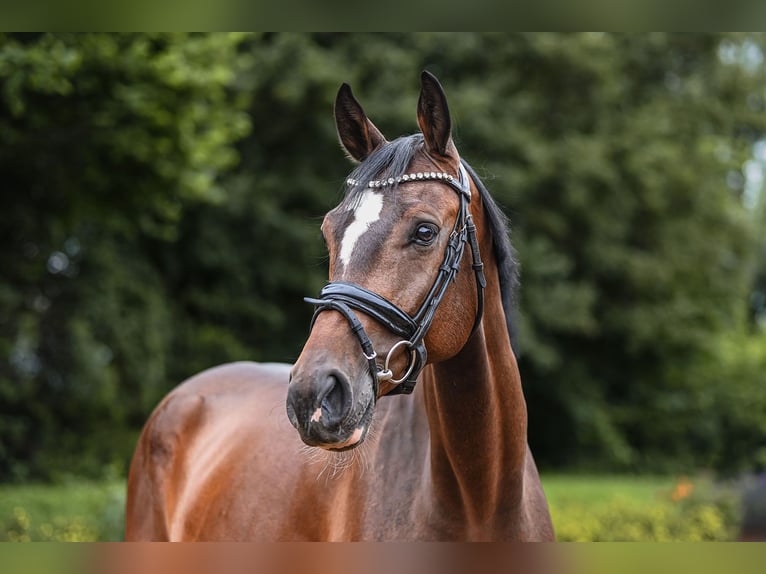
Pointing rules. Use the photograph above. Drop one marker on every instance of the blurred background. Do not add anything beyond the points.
(161, 201)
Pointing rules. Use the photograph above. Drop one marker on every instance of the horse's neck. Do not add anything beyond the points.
(478, 428)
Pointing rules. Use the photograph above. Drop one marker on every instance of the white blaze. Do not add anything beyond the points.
(366, 212)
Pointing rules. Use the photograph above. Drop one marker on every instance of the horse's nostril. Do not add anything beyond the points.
(334, 402)
(320, 403)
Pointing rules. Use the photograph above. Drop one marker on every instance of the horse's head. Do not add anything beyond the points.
(396, 243)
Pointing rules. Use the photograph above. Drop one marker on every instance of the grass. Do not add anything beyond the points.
(77, 511)
(583, 508)
(562, 489)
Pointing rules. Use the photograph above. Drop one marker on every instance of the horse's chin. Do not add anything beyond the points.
(356, 439)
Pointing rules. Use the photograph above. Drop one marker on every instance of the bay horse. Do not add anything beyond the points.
(218, 459)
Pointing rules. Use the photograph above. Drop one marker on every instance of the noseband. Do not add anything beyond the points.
(342, 296)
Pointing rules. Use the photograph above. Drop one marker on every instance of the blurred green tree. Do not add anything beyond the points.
(138, 250)
(104, 138)
(620, 161)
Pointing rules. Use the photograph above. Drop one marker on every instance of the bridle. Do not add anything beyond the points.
(343, 296)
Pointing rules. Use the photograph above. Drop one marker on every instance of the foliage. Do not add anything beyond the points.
(163, 195)
(689, 512)
(104, 139)
(731, 404)
(81, 512)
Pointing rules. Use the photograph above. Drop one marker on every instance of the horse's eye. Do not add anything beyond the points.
(426, 233)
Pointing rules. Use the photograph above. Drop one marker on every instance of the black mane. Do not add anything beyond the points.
(393, 160)
(505, 254)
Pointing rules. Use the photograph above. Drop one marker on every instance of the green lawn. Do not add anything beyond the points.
(582, 507)
(563, 489)
(82, 511)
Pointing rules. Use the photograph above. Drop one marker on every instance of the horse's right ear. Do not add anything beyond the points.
(357, 134)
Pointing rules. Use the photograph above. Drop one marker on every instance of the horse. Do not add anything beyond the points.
(406, 397)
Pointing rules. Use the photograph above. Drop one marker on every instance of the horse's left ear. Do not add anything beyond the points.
(433, 115)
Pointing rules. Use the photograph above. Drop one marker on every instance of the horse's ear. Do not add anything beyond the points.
(357, 134)
(433, 115)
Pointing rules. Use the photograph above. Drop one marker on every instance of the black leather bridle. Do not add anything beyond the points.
(346, 297)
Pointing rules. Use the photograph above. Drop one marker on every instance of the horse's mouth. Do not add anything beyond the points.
(356, 438)
(357, 435)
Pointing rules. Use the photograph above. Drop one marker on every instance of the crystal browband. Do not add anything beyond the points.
(419, 176)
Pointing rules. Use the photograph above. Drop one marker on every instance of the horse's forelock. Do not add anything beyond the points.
(389, 160)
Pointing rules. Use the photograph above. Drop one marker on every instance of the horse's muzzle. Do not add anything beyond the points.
(319, 405)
